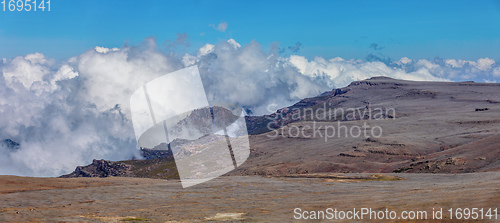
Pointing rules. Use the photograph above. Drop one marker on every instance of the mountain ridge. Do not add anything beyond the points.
(433, 123)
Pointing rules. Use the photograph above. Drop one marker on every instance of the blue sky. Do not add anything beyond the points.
(416, 29)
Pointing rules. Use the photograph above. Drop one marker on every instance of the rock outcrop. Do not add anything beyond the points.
(8, 143)
(101, 168)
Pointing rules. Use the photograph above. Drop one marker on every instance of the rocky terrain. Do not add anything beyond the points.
(240, 198)
(448, 133)
(158, 164)
(425, 127)
(437, 127)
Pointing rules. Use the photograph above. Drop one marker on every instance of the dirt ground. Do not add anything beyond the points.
(237, 198)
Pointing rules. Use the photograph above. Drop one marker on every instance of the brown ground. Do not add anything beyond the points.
(438, 128)
(237, 198)
(444, 143)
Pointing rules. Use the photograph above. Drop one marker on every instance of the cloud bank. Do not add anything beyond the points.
(66, 113)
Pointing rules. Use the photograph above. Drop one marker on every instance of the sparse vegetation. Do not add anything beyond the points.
(135, 219)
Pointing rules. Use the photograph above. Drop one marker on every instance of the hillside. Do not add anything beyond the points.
(438, 127)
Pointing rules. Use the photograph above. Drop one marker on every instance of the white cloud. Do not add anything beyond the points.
(111, 78)
(485, 63)
(26, 70)
(206, 49)
(482, 64)
(233, 43)
(189, 60)
(221, 27)
(496, 72)
(104, 49)
(340, 72)
(405, 60)
(489, 81)
(427, 64)
(455, 63)
(336, 59)
(67, 113)
(252, 78)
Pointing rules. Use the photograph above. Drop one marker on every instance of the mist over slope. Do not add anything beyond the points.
(67, 113)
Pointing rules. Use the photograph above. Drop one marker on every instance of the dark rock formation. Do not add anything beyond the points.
(157, 153)
(431, 132)
(481, 109)
(10, 144)
(100, 168)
